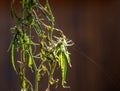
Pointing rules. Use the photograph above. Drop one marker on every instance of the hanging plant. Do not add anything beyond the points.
(38, 44)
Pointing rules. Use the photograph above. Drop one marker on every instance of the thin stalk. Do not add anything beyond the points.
(51, 34)
(23, 22)
(36, 74)
(38, 19)
(23, 45)
(36, 80)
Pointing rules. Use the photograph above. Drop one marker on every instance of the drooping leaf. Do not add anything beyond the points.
(63, 64)
(52, 69)
(14, 40)
(13, 13)
(22, 80)
(38, 28)
(30, 62)
(64, 68)
(12, 56)
(35, 42)
(68, 58)
(48, 9)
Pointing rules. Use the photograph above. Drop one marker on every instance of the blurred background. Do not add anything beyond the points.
(94, 26)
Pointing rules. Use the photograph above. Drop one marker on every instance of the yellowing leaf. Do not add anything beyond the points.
(30, 62)
(44, 68)
(63, 65)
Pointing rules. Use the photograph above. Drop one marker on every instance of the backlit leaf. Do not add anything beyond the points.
(63, 64)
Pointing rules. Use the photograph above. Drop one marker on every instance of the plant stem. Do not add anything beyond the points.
(36, 80)
(36, 75)
(37, 21)
(23, 47)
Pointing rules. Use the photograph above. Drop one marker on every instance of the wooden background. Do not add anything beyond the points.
(94, 26)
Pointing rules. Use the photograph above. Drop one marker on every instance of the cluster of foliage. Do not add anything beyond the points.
(38, 44)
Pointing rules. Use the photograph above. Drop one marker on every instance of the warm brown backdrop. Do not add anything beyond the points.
(94, 26)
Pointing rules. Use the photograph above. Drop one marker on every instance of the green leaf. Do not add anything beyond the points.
(12, 56)
(63, 64)
(38, 28)
(68, 58)
(13, 41)
(52, 69)
(31, 3)
(12, 11)
(44, 68)
(48, 9)
(26, 39)
(59, 57)
(23, 1)
(30, 62)
(22, 81)
(30, 18)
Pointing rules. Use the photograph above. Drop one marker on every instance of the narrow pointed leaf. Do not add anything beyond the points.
(50, 13)
(63, 68)
(68, 58)
(63, 64)
(12, 56)
(38, 28)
